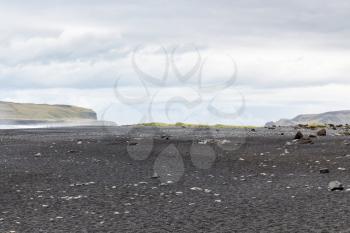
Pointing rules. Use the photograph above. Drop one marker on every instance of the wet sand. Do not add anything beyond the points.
(99, 179)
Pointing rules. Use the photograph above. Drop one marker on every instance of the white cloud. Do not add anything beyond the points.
(287, 53)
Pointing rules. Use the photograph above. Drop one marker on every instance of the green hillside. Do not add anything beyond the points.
(45, 112)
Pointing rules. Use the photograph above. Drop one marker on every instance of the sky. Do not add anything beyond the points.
(231, 62)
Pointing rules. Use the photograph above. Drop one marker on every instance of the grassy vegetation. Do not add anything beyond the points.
(189, 125)
(316, 125)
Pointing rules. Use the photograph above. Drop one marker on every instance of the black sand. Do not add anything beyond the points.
(86, 180)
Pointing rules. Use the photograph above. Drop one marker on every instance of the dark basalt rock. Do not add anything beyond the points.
(299, 135)
(132, 143)
(324, 170)
(322, 132)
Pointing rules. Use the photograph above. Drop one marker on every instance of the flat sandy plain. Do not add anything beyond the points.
(99, 179)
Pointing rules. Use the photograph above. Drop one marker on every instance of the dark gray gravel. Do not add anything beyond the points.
(100, 180)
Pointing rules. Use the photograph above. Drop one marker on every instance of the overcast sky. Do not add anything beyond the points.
(286, 57)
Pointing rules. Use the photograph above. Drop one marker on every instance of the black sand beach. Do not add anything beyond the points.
(99, 179)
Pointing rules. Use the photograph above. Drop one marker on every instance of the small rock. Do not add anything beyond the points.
(335, 185)
(166, 137)
(306, 141)
(322, 132)
(324, 170)
(332, 126)
(72, 151)
(37, 154)
(155, 175)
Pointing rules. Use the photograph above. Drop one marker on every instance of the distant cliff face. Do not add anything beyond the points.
(338, 117)
(43, 112)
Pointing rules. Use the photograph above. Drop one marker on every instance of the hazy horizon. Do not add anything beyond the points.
(284, 58)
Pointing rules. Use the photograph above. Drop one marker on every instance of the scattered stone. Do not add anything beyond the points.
(312, 136)
(81, 184)
(324, 170)
(196, 189)
(72, 151)
(306, 141)
(38, 155)
(270, 125)
(332, 126)
(207, 190)
(299, 135)
(155, 175)
(335, 185)
(204, 142)
(322, 132)
(289, 143)
(166, 137)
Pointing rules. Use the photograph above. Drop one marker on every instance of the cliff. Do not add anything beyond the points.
(26, 112)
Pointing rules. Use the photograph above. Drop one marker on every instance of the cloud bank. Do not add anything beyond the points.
(291, 57)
